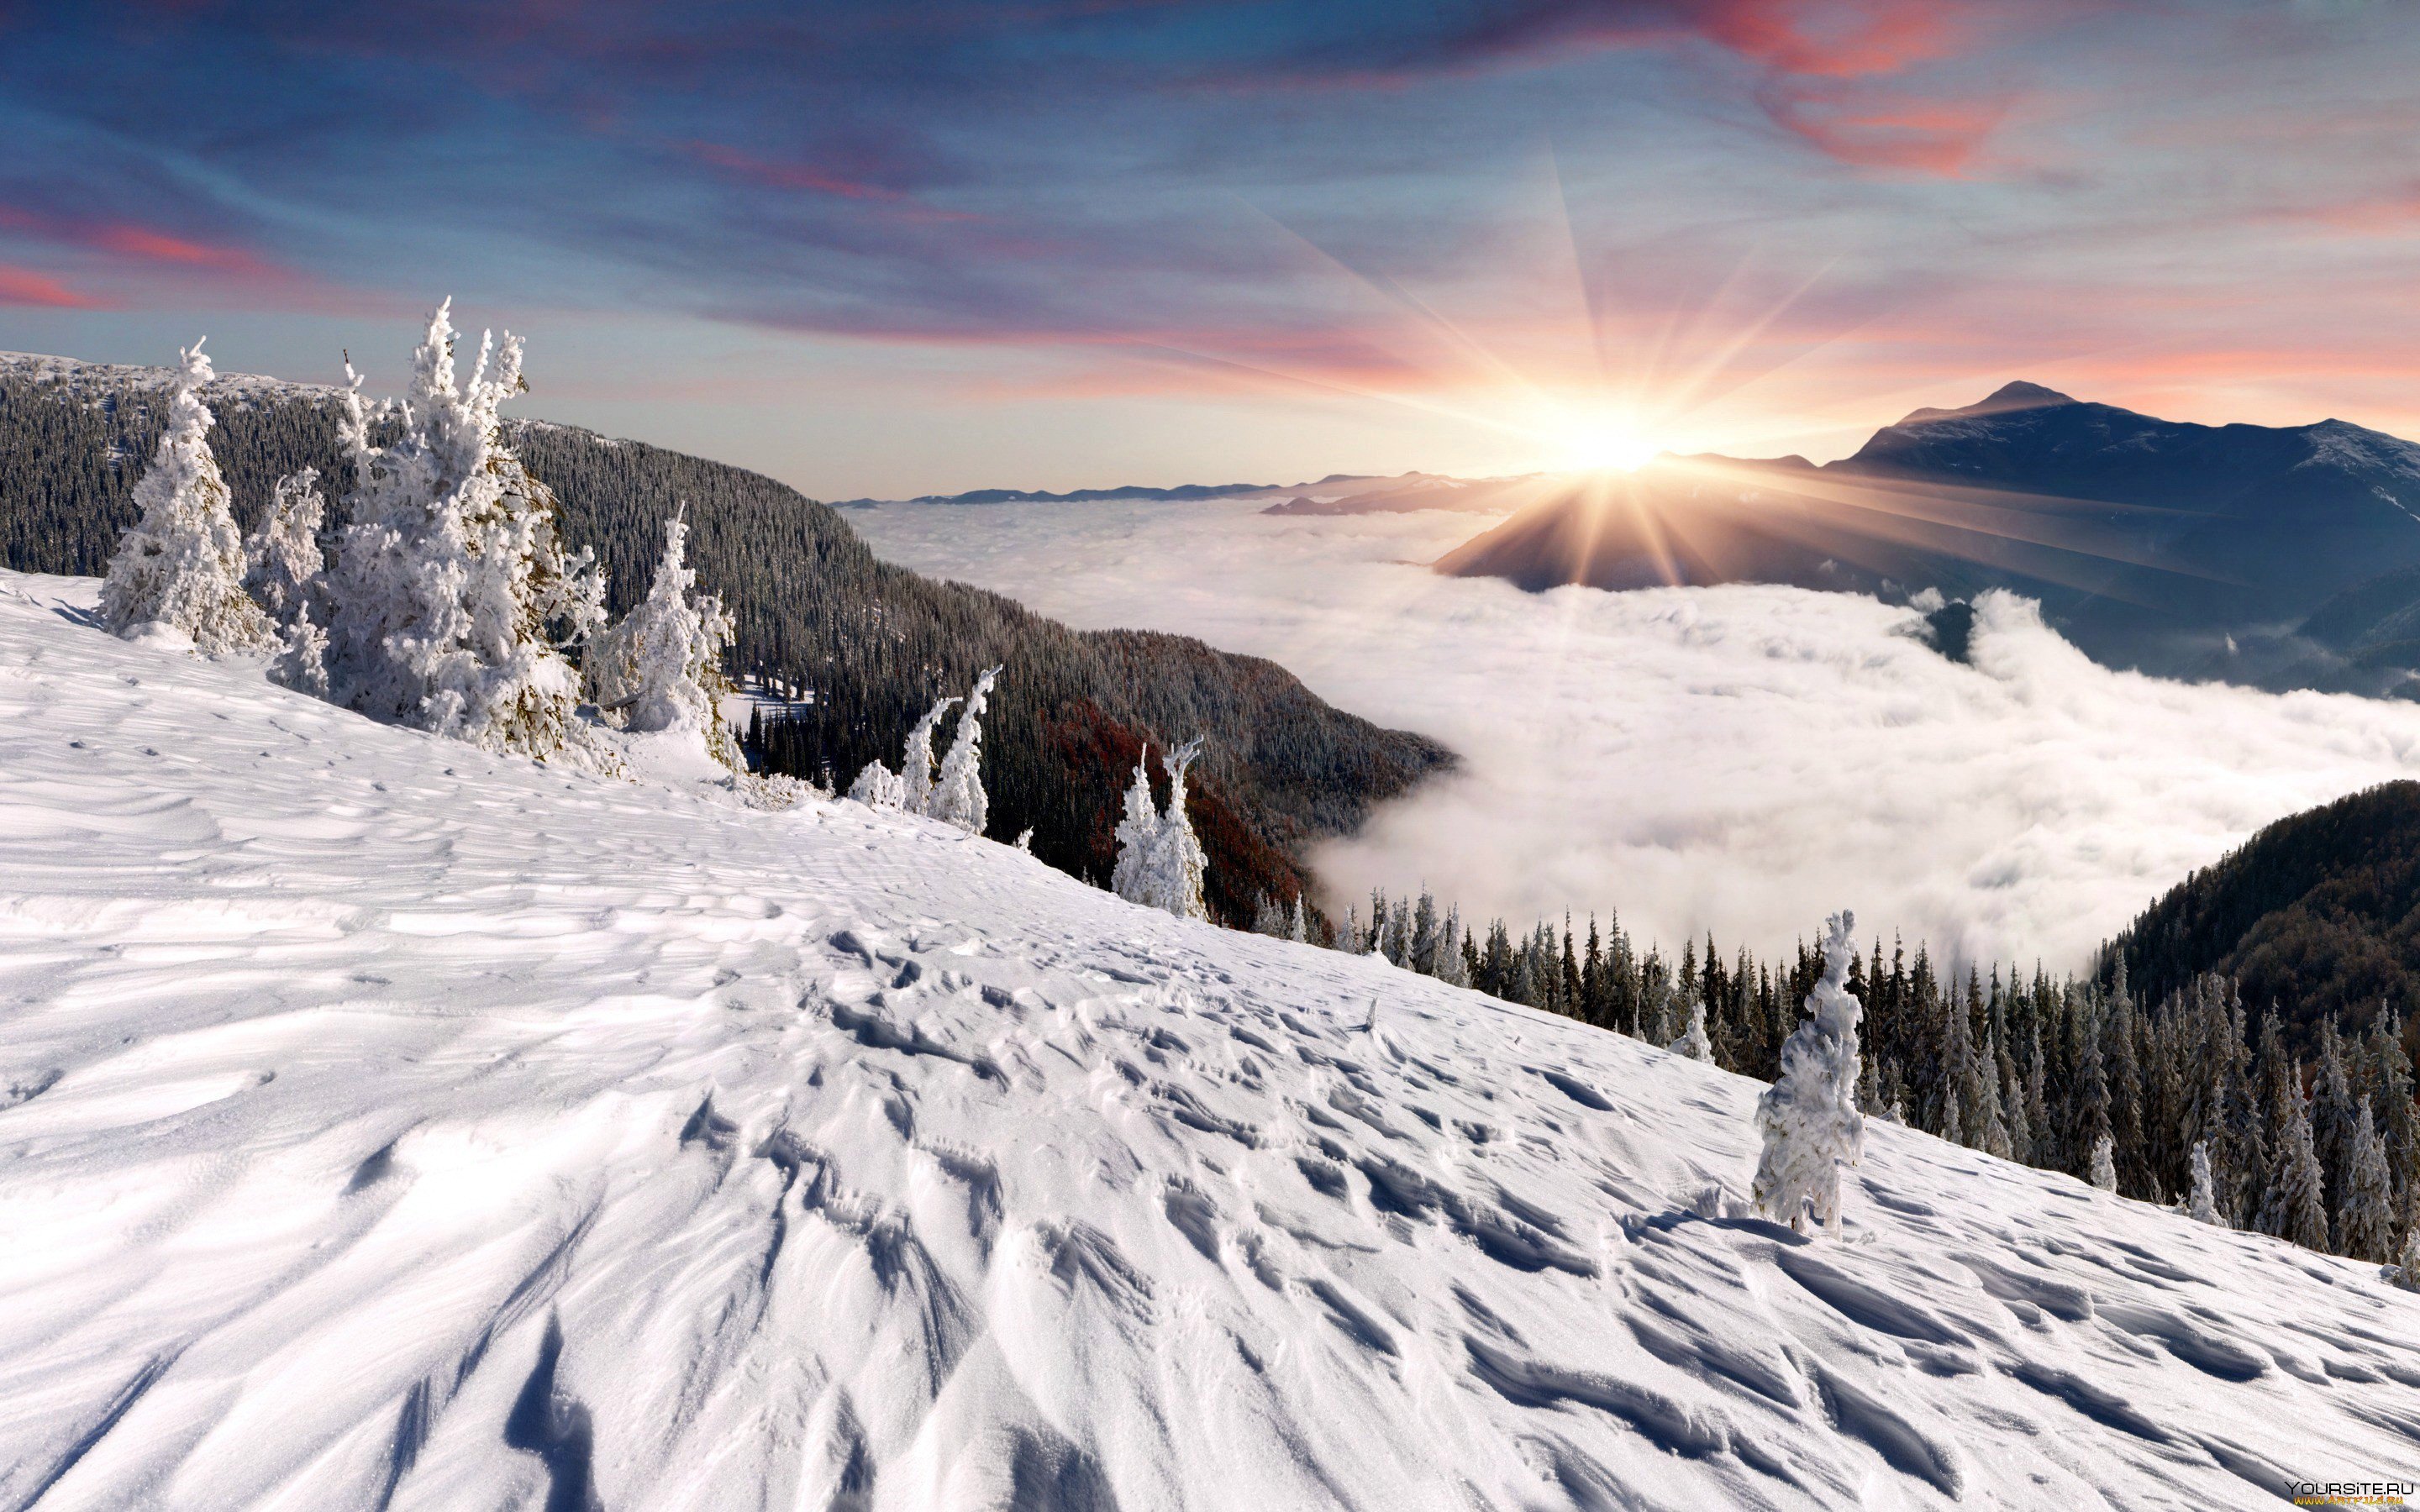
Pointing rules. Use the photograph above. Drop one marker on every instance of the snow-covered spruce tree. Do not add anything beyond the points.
(2105, 1164)
(661, 667)
(1177, 864)
(2406, 1270)
(2202, 1206)
(1136, 832)
(958, 797)
(2365, 1212)
(1693, 1041)
(454, 598)
(2294, 1208)
(1267, 917)
(916, 766)
(1298, 928)
(879, 787)
(282, 561)
(181, 566)
(1808, 1116)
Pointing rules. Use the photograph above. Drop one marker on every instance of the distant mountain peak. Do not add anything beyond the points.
(2023, 395)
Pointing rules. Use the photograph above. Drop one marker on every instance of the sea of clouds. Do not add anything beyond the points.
(1736, 760)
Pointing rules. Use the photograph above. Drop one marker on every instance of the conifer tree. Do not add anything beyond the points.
(916, 766)
(181, 566)
(2332, 1113)
(1808, 1116)
(2366, 1215)
(2104, 1163)
(2202, 1206)
(879, 787)
(1136, 833)
(958, 798)
(1298, 929)
(1991, 1131)
(283, 564)
(1177, 860)
(2294, 1208)
(1693, 1041)
(661, 667)
(455, 600)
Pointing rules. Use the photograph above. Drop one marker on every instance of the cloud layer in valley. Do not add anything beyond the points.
(1741, 759)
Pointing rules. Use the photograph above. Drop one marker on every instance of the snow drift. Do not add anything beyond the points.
(388, 1123)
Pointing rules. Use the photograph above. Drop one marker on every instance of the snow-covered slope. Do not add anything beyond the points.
(386, 1124)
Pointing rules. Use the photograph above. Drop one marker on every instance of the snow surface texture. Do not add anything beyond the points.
(386, 1123)
(1745, 759)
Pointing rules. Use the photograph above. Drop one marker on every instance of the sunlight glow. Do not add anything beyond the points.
(1603, 444)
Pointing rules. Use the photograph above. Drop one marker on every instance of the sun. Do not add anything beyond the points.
(1604, 444)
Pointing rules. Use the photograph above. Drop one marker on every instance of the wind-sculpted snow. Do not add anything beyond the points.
(383, 1123)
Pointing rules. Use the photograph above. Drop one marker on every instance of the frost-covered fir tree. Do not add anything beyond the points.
(454, 598)
(181, 566)
(958, 797)
(1176, 865)
(879, 787)
(1693, 1041)
(2405, 1272)
(1808, 1116)
(2202, 1206)
(661, 667)
(1992, 1125)
(1451, 968)
(283, 564)
(1137, 831)
(2295, 1207)
(2365, 1212)
(2104, 1163)
(1267, 917)
(916, 766)
(1298, 927)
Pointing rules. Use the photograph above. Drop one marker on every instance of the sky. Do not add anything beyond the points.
(1743, 760)
(885, 249)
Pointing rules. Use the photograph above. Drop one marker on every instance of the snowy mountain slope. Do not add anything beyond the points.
(383, 1124)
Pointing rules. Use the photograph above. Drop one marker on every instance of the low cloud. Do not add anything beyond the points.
(1740, 760)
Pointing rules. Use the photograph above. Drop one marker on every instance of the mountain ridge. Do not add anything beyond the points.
(2174, 546)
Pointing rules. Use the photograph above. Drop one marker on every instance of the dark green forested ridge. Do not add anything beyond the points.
(813, 606)
(2318, 914)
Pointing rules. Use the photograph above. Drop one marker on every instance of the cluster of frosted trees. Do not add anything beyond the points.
(955, 794)
(448, 602)
(1160, 861)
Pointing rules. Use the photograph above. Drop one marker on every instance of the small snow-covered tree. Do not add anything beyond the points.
(1136, 833)
(1451, 968)
(879, 787)
(2104, 1163)
(2202, 1206)
(1808, 1116)
(661, 667)
(1298, 928)
(282, 561)
(916, 768)
(1267, 917)
(2295, 1207)
(1177, 865)
(454, 598)
(2366, 1214)
(181, 566)
(958, 797)
(1693, 1041)
(2405, 1271)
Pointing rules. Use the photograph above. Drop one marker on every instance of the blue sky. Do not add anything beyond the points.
(897, 248)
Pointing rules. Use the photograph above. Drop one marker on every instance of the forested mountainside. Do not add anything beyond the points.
(2319, 914)
(813, 606)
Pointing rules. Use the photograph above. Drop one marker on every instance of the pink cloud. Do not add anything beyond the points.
(24, 287)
